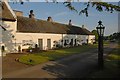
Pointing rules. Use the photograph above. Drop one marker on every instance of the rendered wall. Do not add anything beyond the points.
(8, 35)
(33, 37)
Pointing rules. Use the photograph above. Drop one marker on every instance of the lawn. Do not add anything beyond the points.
(37, 58)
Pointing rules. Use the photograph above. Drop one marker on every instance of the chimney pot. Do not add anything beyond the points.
(50, 19)
(70, 22)
(83, 26)
(31, 15)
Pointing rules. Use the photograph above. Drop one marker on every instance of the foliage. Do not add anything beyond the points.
(100, 6)
(96, 34)
(114, 36)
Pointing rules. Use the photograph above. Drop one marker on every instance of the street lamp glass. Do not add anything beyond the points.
(100, 29)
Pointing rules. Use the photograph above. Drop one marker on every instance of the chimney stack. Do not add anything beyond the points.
(50, 19)
(83, 26)
(18, 13)
(31, 15)
(5, 0)
(70, 22)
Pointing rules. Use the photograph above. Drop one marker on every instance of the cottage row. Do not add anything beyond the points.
(19, 32)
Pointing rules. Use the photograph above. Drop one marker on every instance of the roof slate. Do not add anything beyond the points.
(29, 25)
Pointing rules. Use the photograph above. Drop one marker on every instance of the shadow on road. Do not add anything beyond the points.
(77, 66)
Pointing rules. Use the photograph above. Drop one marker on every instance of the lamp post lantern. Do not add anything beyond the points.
(100, 30)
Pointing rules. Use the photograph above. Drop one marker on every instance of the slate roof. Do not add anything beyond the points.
(6, 14)
(29, 25)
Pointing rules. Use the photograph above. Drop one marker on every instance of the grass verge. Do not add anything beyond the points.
(111, 66)
(37, 58)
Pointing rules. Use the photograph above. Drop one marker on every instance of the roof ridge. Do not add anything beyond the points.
(50, 22)
(26, 24)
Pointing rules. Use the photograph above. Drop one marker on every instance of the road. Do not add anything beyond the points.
(76, 66)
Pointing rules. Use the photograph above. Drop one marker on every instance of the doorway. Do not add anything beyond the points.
(49, 43)
(40, 44)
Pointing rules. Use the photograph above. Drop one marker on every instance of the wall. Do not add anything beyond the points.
(12, 39)
(12, 43)
(0, 40)
(8, 35)
(91, 39)
(33, 38)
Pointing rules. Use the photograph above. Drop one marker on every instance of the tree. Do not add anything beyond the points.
(98, 5)
(96, 34)
(114, 36)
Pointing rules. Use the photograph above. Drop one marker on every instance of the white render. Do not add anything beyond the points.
(0, 40)
(54, 37)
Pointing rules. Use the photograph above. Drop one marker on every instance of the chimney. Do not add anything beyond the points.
(70, 22)
(5, 0)
(31, 15)
(83, 26)
(18, 13)
(50, 19)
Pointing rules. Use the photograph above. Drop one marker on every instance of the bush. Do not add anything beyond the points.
(84, 44)
(58, 46)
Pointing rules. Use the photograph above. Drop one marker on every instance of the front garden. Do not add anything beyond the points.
(51, 55)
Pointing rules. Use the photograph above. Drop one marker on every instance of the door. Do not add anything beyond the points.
(49, 43)
(40, 44)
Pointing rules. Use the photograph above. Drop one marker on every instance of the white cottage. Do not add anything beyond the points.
(24, 32)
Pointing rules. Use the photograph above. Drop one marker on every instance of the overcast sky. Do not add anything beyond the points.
(62, 14)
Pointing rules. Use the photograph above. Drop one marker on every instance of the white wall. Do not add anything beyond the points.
(0, 53)
(10, 27)
(11, 43)
(35, 36)
(8, 35)
(91, 39)
(54, 37)
(0, 40)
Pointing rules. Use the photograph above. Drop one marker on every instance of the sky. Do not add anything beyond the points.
(62, 14)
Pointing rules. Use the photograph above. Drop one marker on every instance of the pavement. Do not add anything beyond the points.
(76, 66)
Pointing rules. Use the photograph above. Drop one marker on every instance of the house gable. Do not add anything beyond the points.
(7, 14)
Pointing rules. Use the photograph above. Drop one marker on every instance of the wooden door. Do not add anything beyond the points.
(49, 43)
(40, 44)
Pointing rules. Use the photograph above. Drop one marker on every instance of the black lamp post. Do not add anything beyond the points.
(100, 30)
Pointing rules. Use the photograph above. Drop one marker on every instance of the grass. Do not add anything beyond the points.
(37, 58)
(112, 66)
(106, 43)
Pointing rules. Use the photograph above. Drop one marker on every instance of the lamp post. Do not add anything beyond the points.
(100, 30)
